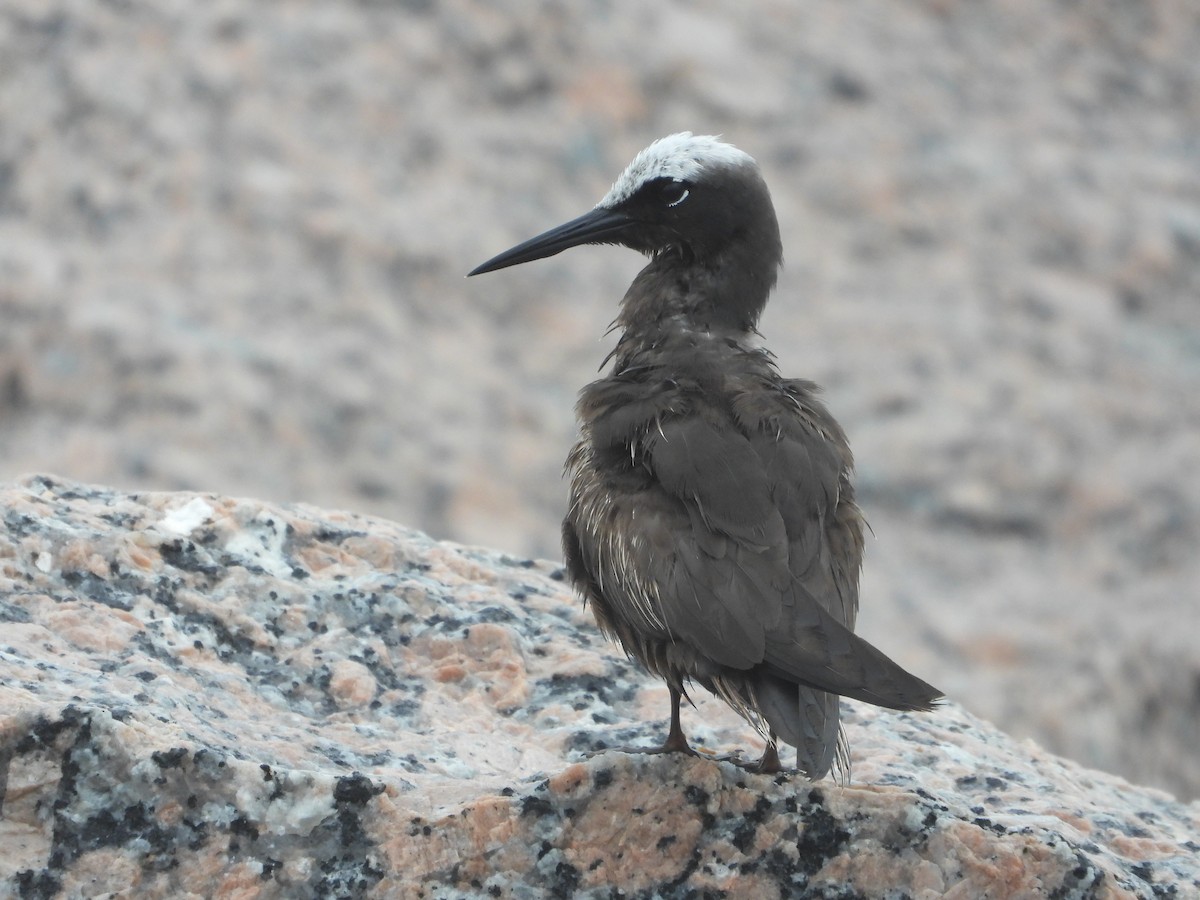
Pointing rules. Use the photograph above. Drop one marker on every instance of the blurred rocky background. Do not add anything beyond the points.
(233, 235)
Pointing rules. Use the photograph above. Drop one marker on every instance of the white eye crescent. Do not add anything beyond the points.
(675, 193)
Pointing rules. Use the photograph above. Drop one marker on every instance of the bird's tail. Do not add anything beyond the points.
(806, 718)
(824, 654)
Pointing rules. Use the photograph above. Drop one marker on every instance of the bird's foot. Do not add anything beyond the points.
(676, 742)
(768, 764)
(669, 746)
(651, 751)
(734, 758)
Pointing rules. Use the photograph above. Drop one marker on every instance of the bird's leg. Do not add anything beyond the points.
(769, 764)
(676, 741)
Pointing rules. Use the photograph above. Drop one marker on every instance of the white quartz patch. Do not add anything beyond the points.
(261, 543)
(187, 518)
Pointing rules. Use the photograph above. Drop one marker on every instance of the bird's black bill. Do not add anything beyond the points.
(600, 226)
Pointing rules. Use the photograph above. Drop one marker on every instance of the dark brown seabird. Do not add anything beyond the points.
(712, 524)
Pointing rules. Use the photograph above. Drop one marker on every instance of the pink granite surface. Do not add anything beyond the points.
(203, 696)
(233, 237)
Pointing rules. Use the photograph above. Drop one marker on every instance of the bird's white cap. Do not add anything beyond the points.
(680, 157)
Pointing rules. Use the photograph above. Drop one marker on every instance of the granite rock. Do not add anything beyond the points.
(203, 696)
(233, 234)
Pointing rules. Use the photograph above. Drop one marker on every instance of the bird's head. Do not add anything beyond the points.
(691, 196)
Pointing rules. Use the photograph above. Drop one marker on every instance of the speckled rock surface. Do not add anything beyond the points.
(233, 235)
(202, 696)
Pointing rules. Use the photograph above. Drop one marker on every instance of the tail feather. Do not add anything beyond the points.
(824, 654)
(806, 718)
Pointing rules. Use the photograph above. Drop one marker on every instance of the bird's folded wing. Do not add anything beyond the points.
(727, 587)
(722, 581)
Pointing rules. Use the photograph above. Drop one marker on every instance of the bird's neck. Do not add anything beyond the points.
(678, 307)
(721, 294)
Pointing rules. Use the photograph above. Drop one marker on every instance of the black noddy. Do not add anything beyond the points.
(712, 526)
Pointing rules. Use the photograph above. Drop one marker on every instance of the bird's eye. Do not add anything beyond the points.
(674, 193)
